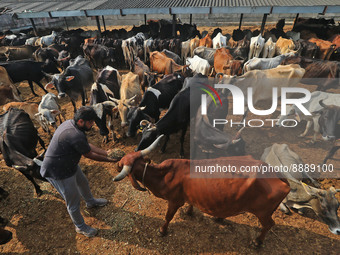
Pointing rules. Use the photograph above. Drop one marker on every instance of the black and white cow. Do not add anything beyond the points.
(155, 99)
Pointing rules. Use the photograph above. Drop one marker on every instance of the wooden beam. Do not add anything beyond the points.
(104, 22)
(296, 18)
(264, 19)
(34, 27)
(98, 26)
(190, 19)
(240, 24)
(144, 19)
(174, 25)
(66, 23)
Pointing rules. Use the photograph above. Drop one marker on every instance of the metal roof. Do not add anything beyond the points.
(67, 8)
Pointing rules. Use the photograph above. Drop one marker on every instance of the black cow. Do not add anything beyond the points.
(64, 58)
(329, 122)
(99, 55)
(155, 98)
(212, 141)
(29, 70)
(177, 117)
(18, 141)
(42, 54)
(307, 49)
(73, 81)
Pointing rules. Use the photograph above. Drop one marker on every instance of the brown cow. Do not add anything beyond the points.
(193, 45)
(161, 64)
(326, 48)
(221, 197)
(30, 108)
(8, 91)
(284, 46)
(328, 70)
(222, 59)
(206, 42)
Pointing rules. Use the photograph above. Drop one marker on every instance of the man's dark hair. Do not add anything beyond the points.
(85, 113)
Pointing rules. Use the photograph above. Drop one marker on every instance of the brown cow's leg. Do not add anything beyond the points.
(172, 209)
(190, 210)
(267, 223)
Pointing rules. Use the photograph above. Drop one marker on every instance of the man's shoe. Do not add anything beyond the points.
(98, 202)
(87, 231)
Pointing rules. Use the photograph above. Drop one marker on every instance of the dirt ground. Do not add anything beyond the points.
(129, 223)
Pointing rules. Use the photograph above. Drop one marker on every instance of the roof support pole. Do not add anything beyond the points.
(264, 19)
(104, 22)
(98, 26)
(190, 19)
(34, 27)
(174, 25)
(296, 18)
(144, 19)
(240, 24)
(66, 24)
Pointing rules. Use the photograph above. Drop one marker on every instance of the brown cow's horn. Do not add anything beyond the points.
(125, 171)
(152, 146)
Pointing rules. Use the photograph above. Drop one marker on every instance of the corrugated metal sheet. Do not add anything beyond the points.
(150, 6)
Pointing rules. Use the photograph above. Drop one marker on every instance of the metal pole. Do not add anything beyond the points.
(145, 19)
(263, 22)
(296, 18)
(34, 28)
(174, 25)
(241, 18)
(98, 25)
(104, 22)
(66, 23)
(190, 19)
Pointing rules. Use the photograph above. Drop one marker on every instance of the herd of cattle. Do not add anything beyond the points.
(168, 74)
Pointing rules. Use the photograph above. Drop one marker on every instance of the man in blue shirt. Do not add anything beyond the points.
(60, 166)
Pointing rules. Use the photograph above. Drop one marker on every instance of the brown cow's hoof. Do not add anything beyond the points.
(162, 232)
(256, 244)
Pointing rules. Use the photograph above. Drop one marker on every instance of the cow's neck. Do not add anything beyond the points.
(151, 176)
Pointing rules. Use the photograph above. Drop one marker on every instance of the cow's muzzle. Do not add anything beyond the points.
(328, 138)
(61, 95)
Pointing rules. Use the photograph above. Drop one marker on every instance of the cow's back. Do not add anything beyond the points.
(224, 197)
(18, 134)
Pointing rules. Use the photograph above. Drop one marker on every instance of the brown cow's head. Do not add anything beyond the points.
(127, 162)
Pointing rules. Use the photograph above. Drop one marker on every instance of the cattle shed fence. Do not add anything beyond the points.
(121, 12)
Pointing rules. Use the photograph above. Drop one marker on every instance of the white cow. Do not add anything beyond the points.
(293, 35)
(199, 65)
(219, 41)
(263, 81)
(322, 202)
(48, 39)
(48, 110)
(185, 50)
(269, 49)
(264, 63)
(312, 105)
(256, 46)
